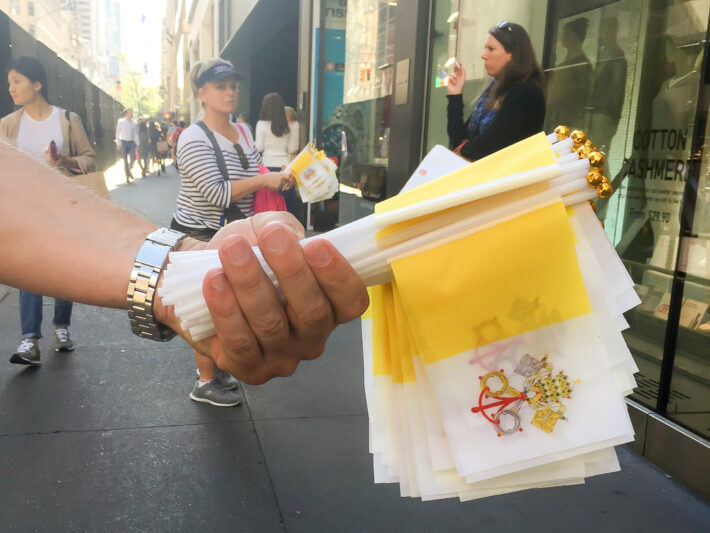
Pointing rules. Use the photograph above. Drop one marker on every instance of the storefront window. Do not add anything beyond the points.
(689, 399)
(356, 103)
(628, 73)
(460, 28)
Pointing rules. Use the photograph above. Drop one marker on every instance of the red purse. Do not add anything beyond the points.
(265, 199)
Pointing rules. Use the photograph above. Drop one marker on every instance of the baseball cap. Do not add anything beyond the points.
(218, 72)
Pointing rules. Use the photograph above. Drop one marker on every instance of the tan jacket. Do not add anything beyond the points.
(81, 149)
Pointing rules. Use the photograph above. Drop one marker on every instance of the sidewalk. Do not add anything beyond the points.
(106, 439)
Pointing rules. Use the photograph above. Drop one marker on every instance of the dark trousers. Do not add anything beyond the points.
(128, 149)
(31, 314)
(293, 202)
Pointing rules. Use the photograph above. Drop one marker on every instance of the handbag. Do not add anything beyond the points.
(232, 212)
(96, 181)
(267, 200)
(264, 199)
(162, 147)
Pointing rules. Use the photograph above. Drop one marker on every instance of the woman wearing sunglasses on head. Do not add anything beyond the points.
(510, 108)
(219, 174)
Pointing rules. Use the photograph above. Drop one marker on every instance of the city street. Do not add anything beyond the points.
(105, 438)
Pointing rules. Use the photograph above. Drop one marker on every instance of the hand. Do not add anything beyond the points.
(291, 179)
(118, 147)
(259, 338)
(457, 80)
(63, 160)
(277, 181)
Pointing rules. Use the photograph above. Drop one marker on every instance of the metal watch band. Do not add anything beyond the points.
(141, 292)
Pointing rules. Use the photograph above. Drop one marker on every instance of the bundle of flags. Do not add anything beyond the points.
(315, 174)
(493, 354)
(494, 360)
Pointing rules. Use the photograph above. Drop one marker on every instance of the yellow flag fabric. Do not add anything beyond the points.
(517, 276)
(527, 154)
(381, 365)
(406, 344)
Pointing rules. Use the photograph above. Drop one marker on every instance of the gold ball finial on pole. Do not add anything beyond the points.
(578, 138)
(583, 151)
(596, 160)
(562, 132)
(594, 177)
(604, 189)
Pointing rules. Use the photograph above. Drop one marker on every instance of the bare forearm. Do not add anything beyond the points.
(244, 187)
(60, 239)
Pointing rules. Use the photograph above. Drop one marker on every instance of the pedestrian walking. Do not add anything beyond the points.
(127, 141)
(173, 135)
(144, 150)
(57, 137)
(173, 138)
(277, 144)
(292, 118)
(162, 148)
(219, 173)
(510, 108)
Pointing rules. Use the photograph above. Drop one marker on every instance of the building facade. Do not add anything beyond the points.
(84, 33)
(190, 35)
(48, 21)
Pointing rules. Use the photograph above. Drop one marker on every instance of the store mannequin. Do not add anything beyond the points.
(609, 88)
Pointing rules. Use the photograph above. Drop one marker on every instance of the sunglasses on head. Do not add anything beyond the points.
(504, 25)
(243, 159)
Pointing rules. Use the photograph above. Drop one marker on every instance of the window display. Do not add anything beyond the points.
(356, 104)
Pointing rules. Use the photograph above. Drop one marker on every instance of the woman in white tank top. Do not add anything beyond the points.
(277, 143)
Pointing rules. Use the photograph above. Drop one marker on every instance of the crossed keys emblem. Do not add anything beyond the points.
(541, 390)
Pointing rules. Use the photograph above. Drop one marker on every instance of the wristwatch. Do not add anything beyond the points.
(148, 265)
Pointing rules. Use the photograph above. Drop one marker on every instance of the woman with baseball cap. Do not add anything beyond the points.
(219, 174)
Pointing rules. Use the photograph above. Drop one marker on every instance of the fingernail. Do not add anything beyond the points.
(275, 239)
(238, 251)
(219, 282)
(319, 254)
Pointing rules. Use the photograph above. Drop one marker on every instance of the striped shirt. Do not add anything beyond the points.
(204, 193)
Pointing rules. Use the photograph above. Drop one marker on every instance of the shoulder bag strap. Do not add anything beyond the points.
(244, 135)
(71, 149)
(217, 150)
(220, 158)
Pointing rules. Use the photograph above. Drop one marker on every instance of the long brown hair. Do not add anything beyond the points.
(523, 65)
(272, 108)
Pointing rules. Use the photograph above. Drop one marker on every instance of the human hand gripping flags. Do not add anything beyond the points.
(494, 360)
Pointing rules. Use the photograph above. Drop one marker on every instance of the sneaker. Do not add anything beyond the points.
(27, 353)
(62, 340)
(214, 393)
(227, 380)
